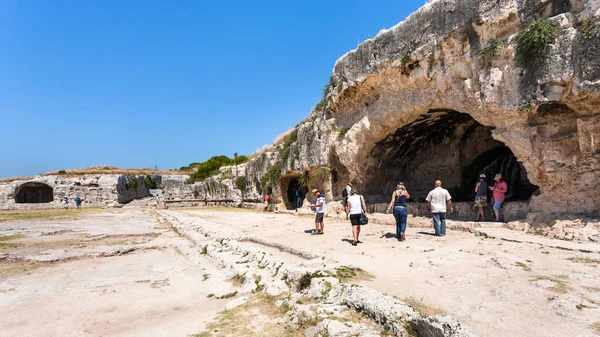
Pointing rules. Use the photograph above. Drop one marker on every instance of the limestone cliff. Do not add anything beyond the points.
(424, 100)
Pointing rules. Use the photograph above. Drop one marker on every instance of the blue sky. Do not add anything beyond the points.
(144, 83)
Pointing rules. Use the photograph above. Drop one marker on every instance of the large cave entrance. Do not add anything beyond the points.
(34, 193)
(446, 145)
(288, 186)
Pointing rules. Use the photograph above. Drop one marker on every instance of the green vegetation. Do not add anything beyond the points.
(240, 183)
(288, 140)
(272, 175)
(408, 63)
(406, 59)
(323, 103)
(132, 182)
(303, 180)
(591, 28)
(342, 133)
(490, 53)
(61, 172)
(150, 183)
(533, 42)
(230, 295)
(321, 174)
(305, 280)
(210, 167)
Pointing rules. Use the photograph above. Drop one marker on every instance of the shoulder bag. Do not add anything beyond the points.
(363, 218)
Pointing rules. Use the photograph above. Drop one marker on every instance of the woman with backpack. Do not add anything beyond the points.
(400, 212)
(355, 207)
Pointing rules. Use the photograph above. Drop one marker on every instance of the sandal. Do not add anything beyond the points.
(354, 243)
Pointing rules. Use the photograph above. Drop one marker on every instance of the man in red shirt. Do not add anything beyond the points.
(500, 188)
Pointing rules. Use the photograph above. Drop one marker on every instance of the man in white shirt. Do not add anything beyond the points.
(319, 207)
(437, 200)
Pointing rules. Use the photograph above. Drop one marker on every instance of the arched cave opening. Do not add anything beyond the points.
(33, 193)
(446, 145)
(288, 185)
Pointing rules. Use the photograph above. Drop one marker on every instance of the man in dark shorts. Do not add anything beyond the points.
(319, 207)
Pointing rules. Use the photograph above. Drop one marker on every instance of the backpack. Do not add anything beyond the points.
(345, 193)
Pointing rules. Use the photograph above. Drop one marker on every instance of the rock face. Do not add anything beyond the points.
(424, 101)
(94, 190)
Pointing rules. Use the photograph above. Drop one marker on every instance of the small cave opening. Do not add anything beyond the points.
(288, 186)
(447, 145)
(34, 193)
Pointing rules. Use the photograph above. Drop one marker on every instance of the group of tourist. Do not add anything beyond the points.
(77, 200)
(439, 202)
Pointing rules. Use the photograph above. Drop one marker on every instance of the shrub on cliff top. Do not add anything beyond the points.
(534, 41)
(211, 166)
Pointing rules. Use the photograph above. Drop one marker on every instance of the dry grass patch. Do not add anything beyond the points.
(19, 266)
(523, 265)
(114, 170)
(258, 317)
(422, 308)
(352, 274)
(560, 285)
(585, 260)
(36, 214)
(595, 327)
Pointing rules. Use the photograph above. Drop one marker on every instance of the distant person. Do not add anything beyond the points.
(437, 200)
(78, 202)
(400, 211)
(205, 200)
(299, 197)
(267, 201)
(345, 194)
(319, 207)
(499, 190)
(355, 206)
(66, 201)
(157, 200)
(481, 189)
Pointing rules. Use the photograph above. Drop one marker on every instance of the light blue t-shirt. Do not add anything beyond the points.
(320, 200)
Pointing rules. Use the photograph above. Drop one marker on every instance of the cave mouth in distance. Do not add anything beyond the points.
(34, 193)
(447, 145)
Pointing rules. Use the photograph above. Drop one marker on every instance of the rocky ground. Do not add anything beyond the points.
(134, 271)
(498, 281)
(118, 273)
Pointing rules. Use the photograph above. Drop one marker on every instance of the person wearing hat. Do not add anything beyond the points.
(319, 207)
(400, 212)
(499, 189)
(481, 189)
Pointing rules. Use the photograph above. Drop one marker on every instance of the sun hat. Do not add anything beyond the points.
(497, 176)
(400, 183)
(482, 175)
(350, 184)
(315, 191)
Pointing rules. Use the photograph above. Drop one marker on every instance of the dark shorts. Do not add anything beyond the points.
(319, 217)
(355, 219)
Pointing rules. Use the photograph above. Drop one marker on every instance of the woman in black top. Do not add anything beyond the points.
(399, 198)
